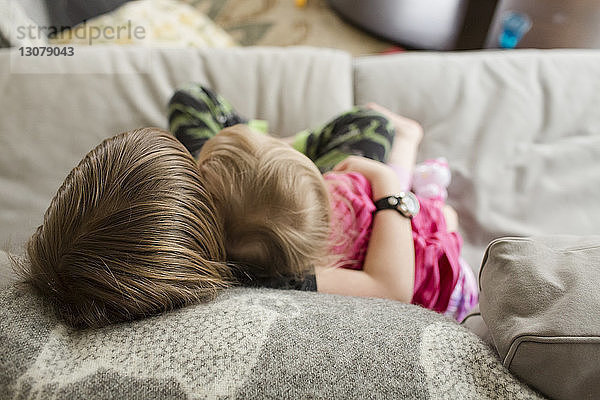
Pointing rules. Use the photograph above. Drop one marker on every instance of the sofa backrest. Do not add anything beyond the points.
(64, 106)
(521, 131)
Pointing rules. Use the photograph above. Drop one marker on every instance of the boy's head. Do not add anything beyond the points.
(131, 232)
(274, 203)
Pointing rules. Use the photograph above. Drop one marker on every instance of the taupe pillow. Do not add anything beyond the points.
(540, 298)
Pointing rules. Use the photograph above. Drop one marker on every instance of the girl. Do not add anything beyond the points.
(275, 205)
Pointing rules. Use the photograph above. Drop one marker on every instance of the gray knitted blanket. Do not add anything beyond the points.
(250, 343)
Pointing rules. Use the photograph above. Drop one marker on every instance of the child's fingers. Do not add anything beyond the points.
(374, 106)
(351, 163)
(389, 113)
(358, 164)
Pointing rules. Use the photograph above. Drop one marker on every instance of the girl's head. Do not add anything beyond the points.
(274, 203)
(131, 232)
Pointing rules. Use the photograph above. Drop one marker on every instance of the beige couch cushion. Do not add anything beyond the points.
(520, 129)
(52, 116)
(539, 298)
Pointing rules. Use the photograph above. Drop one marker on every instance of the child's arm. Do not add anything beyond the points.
(408, 135)
(389, 267)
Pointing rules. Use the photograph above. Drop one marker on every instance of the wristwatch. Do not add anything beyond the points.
(406, 203)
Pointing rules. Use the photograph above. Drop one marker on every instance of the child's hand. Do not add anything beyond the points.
(409, 134)
(383, 179)
(406, 128)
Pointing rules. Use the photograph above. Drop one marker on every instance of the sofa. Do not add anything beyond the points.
(521, 132)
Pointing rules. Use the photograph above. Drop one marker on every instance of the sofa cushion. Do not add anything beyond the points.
(250, 343)
(37, 10)
(64, 106)
(520, 129)
(17, 28)
(539, 299)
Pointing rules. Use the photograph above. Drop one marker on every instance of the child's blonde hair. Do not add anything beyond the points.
(131, 232)
(273, 202)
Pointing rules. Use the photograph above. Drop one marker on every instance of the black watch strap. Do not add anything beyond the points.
(396, 202)
(387, 203)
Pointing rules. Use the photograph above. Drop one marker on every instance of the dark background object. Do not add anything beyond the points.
(68, 13)
(476, 24)
(422, 24)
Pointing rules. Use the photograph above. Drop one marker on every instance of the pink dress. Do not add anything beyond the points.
(443, 281)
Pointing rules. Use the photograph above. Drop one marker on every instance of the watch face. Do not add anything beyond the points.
(410, 204)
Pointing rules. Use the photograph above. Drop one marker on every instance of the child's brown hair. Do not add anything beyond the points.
(273, 201)
(130, 233)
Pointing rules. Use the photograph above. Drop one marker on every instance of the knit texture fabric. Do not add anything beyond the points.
(251, 344)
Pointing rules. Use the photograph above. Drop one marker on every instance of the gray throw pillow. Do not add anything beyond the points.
(250, 344)
(7, 275)
(541, 302)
